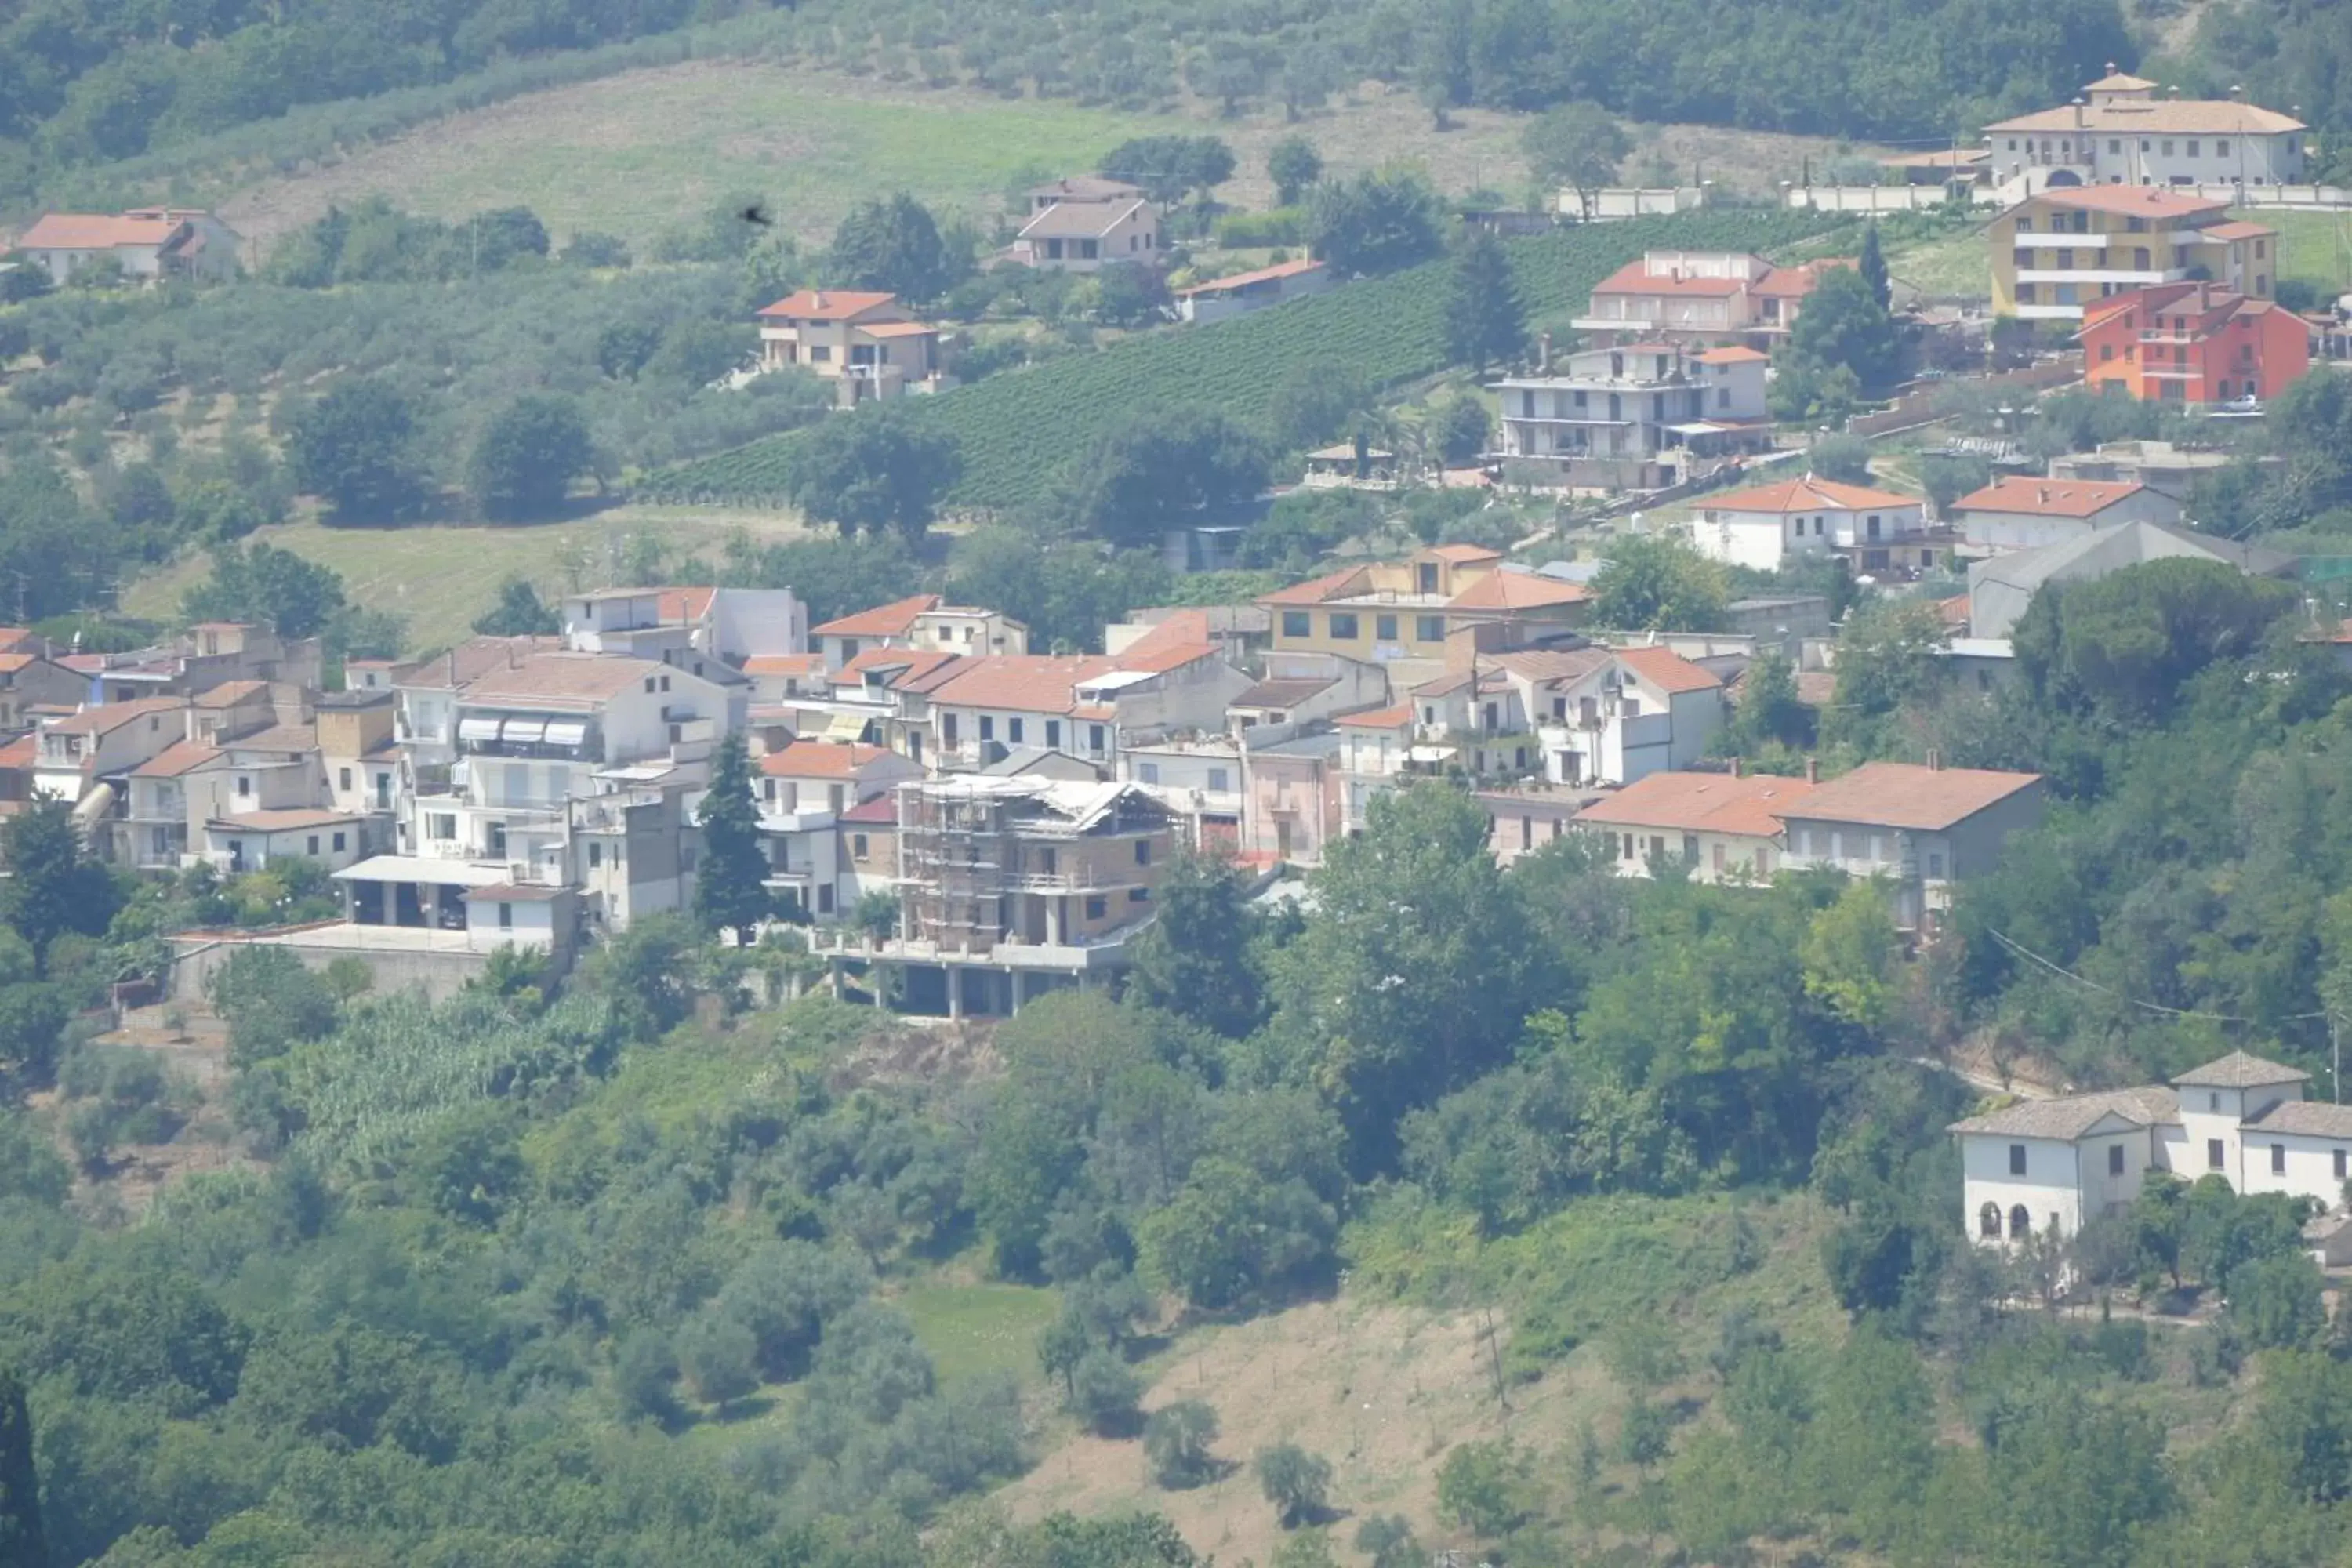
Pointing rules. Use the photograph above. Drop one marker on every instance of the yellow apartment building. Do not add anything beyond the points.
(2057, 252)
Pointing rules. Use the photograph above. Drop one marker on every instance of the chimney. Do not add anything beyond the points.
(1813, 770)
(1739, 767)
(1935, 761)
(1543, 354)
(816, 297)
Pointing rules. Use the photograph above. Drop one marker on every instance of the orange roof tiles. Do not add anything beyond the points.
(94, 231)
(2048, 498)
(18, 754)
(891, 620)
(679, 605)
(1701, 803)
(882, 809)
(827, 304)
(1500, 590)
(229, 693)
(1733, 355)
(785, 664)
(2239, 229)
(114, 715)
(1315, 590)
(1175, 641)
(1021, 682)
(1242, 280)
(898, 329)
(1807, 494)
(563, 679)
(1461, 555)
(913, 666)
(1906, 795)
(1635, 277)
(179, 757)
(1395, 718)
(822, 760)
(2133, 201)
(1668, 671)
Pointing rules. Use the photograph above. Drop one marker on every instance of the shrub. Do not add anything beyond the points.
(1176, 1440)
(1103, 1394)
(1297, 1482)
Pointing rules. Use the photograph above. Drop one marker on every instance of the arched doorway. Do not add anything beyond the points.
(1989, 1222)
(2020, 1224)
(2060, 178)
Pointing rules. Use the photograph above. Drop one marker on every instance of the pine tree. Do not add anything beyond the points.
(22, 1544)
(1873, 269)
(728, 890)
(1485, 320)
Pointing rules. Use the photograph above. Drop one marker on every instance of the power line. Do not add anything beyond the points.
(2059, 969)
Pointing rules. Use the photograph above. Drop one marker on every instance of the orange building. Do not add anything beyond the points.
(2192, 342)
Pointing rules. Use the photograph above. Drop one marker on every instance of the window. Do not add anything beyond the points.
(595, 854)
(244, 783)
(1935, 863)
(1015, 730)
(1429, 628)
(1343, 627)
(824, 898)
(339, 843)
(833, 797)
(2106, 351)
(1096, 909)
(1220, 779)
(311, 845)
(1147, 772)
(441, 824)
(2213, 1159)
(1297, 623)
(2168, 147)
(857, 846)
(2278, 1159)
(2017, 1159)
(1054, 733)
(2214, 1103)
(342, 778)
(1385, 628)
(2115, 145)
(2338, 1154)
(506, 916)
(2115, 1159)
(2221, 148)
(2193, 147)
(1139, 895)
(1143, 851)
(649, 685)
(1989, 1222)
(1094, 737)
(987, 727)
(947, 729)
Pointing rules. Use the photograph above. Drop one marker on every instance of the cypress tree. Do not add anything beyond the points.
(729, 893)
(22, 1544)
(1873, 269)
(1483, 319)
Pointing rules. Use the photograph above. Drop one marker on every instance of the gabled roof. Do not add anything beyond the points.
(1635, 277)
(882, 809)
(1668, 671)
(94, 231)
(1700, 803)
(2118, 81)
(1079, 220)
(2310, 1118)
(1464, 555)
(828, 304)
(680, 606)
(2239, 1070)
(1316, 589)
(1906, 795)
(471, 660)
(1808, 493)
(1733, 355)
(824, 760)
(179, 757)
(291, 738)
(563, 679)
(112, 716)
(2190, 116)
(1505, 590)
(1085, 188)
(785, 664)
(229, 693)
(1548, 665)
(1021, 682)
(1283, 693)
(2049, 498)
(2070, 1118)
(895, 619)
(902, 668)
(1177, 640)
(1391, 718)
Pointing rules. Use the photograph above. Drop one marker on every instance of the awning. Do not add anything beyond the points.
(848, 727)
(421, 869)
(566, 733)
(1701, 428)
(525, 731)
(483, 730)
(1430, 753)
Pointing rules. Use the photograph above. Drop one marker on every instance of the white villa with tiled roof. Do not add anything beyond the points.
(2044, 1166)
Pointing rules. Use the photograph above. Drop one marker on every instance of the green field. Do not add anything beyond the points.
(1018, 429)
(1948, 265)
(441, 577)
(967, 1330)
(2314, 247)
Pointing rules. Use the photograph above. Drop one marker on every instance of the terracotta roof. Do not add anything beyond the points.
(229, 693)
(1906, 795)
(1501, 590)
(2133, 201)
(179, 757)
(891, 620)
(276, 738)
(1546, 664)
(917, 668)
(1280, 269)
(2068, 1119)
(471, 660)
(898, 330)
(1463, 554)
(94, 231)
(19, 753)
(563, 679)
(1021, 682)
(1315, 590)
(680, 606)
(1282, 693)
(1700, 803)
(2239, 229)
(827, 304)
(15, 638)
(882, 809)
(112, 716)
(1668, 671)
(2239, 1070)
(822, 760)
(1635, 277)
(1176, 641)
(1394, 718)
(1807, 494)
(1733, 355)
(287, 819)
(1953, 611)
(785, 664)
(10, 663)
(1796, 282)
(2048, 498)
(2190, 116)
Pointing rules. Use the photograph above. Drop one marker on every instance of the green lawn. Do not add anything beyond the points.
(2314, 246)
(1947, 266)
(636, 153)
(440, 577)
(973, 1329)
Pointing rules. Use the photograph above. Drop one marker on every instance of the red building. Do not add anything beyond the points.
(2191, 342)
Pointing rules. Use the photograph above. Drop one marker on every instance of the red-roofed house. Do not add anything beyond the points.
(1423, 615)
(1725, 827)
(2064, 250)
(806, 790)
(1920, 828)
(147, 242)
(1703, 296)
(1171, 680)
(2018, 512)
(2192, 342)
(1222, 299)
(868, 344)
(1763, 528)
(920, 621)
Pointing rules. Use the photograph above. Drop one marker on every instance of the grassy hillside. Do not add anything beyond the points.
(1018, 428)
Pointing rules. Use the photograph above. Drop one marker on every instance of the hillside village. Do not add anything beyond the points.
(1650, 869)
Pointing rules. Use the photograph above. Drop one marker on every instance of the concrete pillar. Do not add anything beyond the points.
(1053, 920)
(955, 990)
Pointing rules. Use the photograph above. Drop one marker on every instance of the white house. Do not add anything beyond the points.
(728, 624)
(147, 242)
(920, 621)
(2120, 133)
(2022, 512)
(2049, 1166)
(1769, 526)
(1222, 299)
(1635, 403)
(1088, 235)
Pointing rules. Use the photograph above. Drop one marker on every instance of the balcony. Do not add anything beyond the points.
(2128, 276)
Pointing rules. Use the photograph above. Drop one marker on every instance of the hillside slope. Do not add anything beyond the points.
(1019, 429)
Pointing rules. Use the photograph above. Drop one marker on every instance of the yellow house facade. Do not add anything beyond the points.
(1402, 613)
(2054, 253)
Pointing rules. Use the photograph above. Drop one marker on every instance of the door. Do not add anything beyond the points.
(1282, 837)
